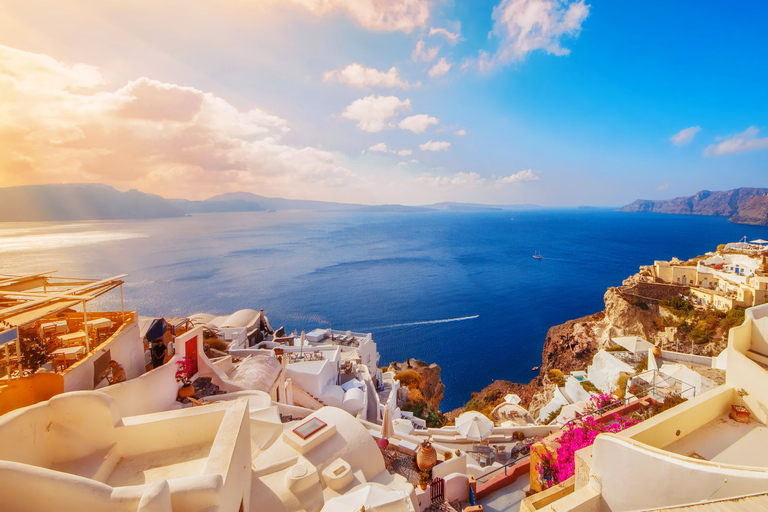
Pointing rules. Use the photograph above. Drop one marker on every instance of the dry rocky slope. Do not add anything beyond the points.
(742, 205)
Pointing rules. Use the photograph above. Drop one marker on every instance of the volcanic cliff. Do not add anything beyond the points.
(742, 205)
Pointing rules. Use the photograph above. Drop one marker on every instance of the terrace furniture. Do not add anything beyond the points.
(63, 357)
(73, 339)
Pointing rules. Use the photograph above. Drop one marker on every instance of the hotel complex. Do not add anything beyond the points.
(238, 416)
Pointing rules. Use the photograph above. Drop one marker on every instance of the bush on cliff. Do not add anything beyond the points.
(409, 378)
(556, 377)
(416, 404)
(733, 318)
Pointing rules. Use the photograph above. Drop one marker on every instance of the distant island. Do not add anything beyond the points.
(741, 205)
(93, 201)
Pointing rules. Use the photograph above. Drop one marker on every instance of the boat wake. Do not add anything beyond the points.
(428, 322)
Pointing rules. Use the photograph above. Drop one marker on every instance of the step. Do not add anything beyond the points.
(758, 357)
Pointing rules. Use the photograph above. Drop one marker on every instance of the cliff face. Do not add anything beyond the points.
(632, 310)
(737, 204)
(754, 212)
(428, 382)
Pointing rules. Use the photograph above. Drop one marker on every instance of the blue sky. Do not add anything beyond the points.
(509, 101)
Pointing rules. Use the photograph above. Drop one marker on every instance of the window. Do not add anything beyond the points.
(307, 429)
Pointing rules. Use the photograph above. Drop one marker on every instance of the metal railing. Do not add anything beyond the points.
(485, 477)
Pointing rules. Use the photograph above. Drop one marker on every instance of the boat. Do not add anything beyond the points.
(537, 255)
(535, 368)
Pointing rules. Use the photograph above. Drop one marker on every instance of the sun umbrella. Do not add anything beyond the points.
(759, 241)
(387, 428)
(474, 426)
(374, 497)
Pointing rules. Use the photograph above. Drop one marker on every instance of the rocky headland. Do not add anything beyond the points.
(741, 205)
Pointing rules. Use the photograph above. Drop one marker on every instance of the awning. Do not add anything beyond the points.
(156, 329)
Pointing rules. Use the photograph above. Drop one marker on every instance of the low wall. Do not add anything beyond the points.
(30, 390)
(125, 346)
(662, 429)
(499, 435)
(154, 391)
(504, 478)
(635, 476)
(688, 358)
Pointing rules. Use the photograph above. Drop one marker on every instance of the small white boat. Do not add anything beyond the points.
(537, 255)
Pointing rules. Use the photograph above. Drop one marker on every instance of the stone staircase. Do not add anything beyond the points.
(306, 399)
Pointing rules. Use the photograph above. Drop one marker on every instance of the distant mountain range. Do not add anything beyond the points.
(89, 201)
(81, 202)
(741, 205)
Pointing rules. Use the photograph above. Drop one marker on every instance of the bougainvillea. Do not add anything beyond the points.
(184, 371)
(598, 401)
(558, 467)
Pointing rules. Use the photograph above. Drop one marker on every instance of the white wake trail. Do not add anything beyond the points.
(428, 322)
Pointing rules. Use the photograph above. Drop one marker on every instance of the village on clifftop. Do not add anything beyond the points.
(109, 410)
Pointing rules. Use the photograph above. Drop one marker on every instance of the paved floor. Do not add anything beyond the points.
(727, 441)
(507, 499)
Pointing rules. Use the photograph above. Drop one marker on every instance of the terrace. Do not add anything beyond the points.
(44, 327)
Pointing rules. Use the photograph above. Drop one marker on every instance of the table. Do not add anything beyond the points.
(57, 327)
(62, 355)
(72, 338)
(99, 323)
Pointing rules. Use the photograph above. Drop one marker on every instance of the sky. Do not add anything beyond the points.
(550, 102)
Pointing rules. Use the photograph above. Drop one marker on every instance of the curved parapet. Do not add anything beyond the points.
(627, 469)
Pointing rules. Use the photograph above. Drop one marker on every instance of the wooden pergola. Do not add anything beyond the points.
(25, 299)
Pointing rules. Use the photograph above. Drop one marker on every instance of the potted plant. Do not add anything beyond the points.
(739, 412)
(183, 375)
(424, 480)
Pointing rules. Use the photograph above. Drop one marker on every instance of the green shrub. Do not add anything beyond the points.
(641, 366)
(733, 318)
(621, 383)
(554, 414)
(668, 403)
(701, 335)
(556, 377)
(409, 378)
(615, 348)
(589, 387)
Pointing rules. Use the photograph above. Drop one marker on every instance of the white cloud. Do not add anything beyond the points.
(453, 37)
(744, 141)
(418, 123)
(441, 68)
(358, 75)
(389, 15)
(379, 147)
(59, 124)
(375, 113)
(435, 146)
(421, 52)
(405, 152)
(519, 177)
(402, 164)
(43, 71)
(460, 133)
(685, 136)
(528, 25)
(461, 179)
(663, 186)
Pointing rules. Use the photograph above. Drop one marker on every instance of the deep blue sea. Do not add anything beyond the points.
(460, 289)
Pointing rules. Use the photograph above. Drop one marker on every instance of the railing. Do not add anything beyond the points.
(486, 477)
(652, 388)
(599, 412)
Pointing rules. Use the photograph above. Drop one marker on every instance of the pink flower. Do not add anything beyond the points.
(575, 436)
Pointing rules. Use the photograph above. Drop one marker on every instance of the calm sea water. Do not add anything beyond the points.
(460, 289)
